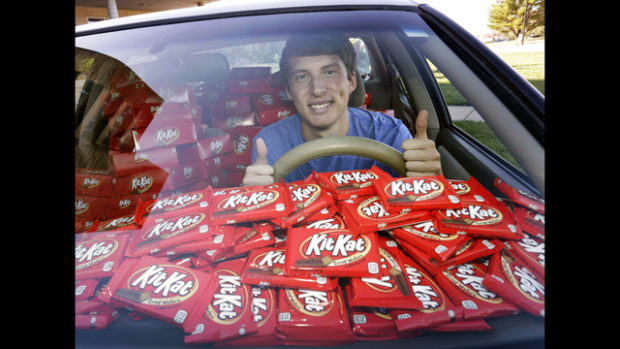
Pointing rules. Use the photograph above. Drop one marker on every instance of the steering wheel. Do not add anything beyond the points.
(346, 145)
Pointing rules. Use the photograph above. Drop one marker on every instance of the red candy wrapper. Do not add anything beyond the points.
(471, 250)
(99, 255)
(97, 320)
(265, 267)
(463, 284)
(312, 317)
(417, 193)
(195, 200)
(389, 289)
(422, 234)
(85, 289)
(367, 214)
(531, 221)
(488, 220)
(247, 204)
(516, 283)
(530, 251)
(307, 198)
(168, 230)
(375, 324)
(160, 289)
(227, 312)
(520, 197)
(264, 315)
(347, 184)
(124, 223)
(331, 253)
(438, 308)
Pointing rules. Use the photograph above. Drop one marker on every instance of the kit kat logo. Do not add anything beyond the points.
(216, 146)
(461, 188)
(140, 184)
(167, 135)
(81, 206)
(92, 252)
(311, 302)
(329, 223)
(534, 250)
(160, 285)
(174, 203)
(353, 179)
(263, 304)
(524, 280)
(373, 209)
(241, 144)
(270, 258)
(249, 200)
(265, 99)
(387, 282)
(90, 183)
(422, 189)
(304, 195)
(426, 229)
(472, 215)
(333, 248)
(425, 290)
(230, 299)
(174, 226)
(468, 278)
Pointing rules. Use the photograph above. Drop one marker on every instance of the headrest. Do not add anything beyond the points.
(356, 99)
(202, 67)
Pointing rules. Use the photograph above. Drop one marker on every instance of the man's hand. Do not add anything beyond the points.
(420, 154)
(259, 173)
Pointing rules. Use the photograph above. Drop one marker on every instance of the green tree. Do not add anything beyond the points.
(506, 16)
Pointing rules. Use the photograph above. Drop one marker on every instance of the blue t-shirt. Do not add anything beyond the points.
(284, 135)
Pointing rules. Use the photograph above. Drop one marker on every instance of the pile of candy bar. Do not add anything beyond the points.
(353, 255)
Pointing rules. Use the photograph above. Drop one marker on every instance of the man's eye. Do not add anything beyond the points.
(300, 77)
(331, 72)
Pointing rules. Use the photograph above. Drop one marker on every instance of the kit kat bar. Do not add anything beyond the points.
(132, 295)
(314, 262)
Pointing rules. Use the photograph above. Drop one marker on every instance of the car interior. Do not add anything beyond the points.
(400, 82)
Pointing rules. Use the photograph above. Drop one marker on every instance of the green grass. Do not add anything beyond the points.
(483, 133)
(531, 65)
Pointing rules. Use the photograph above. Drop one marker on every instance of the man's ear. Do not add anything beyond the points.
(353, 82)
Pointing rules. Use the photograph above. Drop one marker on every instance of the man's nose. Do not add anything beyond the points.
(318, 86)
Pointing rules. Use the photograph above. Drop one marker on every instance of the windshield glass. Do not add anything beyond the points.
(161, 100)
(166, 125)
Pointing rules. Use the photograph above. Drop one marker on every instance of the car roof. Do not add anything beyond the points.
(224, 7)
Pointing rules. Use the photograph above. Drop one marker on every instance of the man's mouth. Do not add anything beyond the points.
(317, 106)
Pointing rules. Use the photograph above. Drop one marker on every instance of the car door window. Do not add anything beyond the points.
(465, 116)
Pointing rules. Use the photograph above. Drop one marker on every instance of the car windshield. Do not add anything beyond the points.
(166, 115)
(128, 80)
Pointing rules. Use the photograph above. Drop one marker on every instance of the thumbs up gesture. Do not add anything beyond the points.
(260, 172)
(420, 154)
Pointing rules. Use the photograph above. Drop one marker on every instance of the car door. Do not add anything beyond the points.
(510, 108)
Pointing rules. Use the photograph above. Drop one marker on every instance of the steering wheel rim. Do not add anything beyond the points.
(345, 145)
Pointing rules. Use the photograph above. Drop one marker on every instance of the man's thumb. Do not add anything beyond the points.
(261, 152)
(420, 125)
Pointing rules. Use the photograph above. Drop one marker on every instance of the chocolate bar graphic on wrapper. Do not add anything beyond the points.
(349, 186)
(406, 198)
(314, 262)
(466, 221)
(399, 278)
(271, 271)
(133, 295)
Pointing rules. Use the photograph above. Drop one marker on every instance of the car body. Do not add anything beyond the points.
(163, 53)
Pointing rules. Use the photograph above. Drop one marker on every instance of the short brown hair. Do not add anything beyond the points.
(318, 44)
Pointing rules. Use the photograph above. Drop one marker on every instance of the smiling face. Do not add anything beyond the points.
(320, 88)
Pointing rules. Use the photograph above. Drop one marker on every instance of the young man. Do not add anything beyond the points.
(319, 76)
